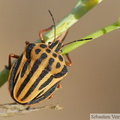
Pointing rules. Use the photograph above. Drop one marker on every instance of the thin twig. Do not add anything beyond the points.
(12, 109)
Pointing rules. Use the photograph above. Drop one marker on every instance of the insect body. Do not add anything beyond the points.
(37, 72)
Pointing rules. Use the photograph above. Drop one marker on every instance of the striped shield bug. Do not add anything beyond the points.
(38, 71)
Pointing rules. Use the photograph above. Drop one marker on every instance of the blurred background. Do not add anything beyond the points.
(93, 82)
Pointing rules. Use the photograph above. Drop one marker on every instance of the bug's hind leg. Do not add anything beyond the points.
(50, 96)
(69, 62)
(59, 86)
(9, 60)
(41, 33)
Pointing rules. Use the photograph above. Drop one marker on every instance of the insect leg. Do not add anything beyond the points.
(62, 36)
(27, 42)
(59, 86)
(41, 33)
(9, 60)
(50, 96)
(69, 62)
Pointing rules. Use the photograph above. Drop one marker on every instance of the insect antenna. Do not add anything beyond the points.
(54, 24)
(76, 41)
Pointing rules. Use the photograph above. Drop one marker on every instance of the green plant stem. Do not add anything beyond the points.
(81, 8)
(3, 76)
(94, 35)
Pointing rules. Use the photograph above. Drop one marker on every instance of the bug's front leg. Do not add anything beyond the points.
(69, 62)
(9, 60)
(41, 33)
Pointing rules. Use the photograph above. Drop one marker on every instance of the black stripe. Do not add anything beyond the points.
(54, 55)
(13, 73)
(25, 67)
(34, 68)
(53, 44)
(43, 45)
(58, 47)
(39, 94)
(16, 77)
(42, 75)
(60, 58)
(48, 67)
(62, 73)
(58, 65)
(47, 82)
(37, 51)
(51, 60)
(29, 49)
(44, 96)
(48, 50)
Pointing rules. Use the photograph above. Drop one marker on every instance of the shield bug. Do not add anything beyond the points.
(38, 71)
